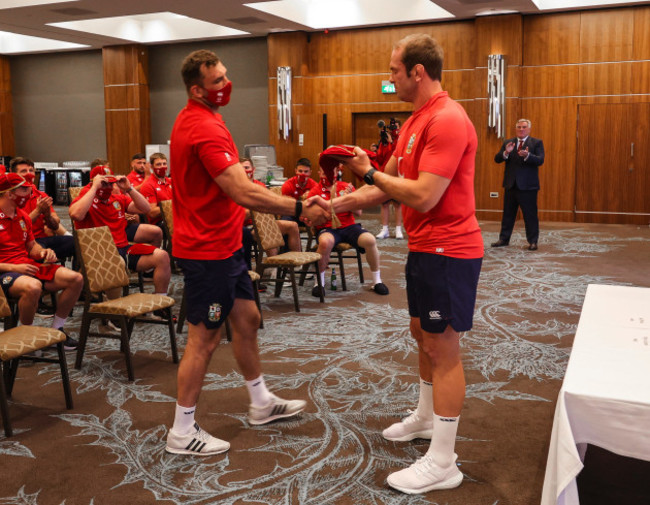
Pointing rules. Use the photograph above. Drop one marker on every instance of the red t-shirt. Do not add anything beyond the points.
(207, 222)
(292, 189)
(135, 178)
(109, 213)
(346, 218)
(15, 234)
(439, 138)
(38, 226)
(156, 191)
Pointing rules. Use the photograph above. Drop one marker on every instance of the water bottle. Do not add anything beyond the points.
(333, 280)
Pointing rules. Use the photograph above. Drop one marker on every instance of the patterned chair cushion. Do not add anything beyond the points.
(267, 230)
(293, 258)
(254, 276)
(103, 264)
(343, 246)
(133, 305)
(25, 339)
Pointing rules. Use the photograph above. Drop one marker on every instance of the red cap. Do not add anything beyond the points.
(10, 181)
(102, 170)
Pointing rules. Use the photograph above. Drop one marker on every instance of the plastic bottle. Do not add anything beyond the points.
(333, 280)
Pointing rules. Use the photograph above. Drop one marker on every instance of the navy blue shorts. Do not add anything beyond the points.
(441, 290)
(211, 287)
(349, 234)
(131, 259)
(131, 230)
(7, 280)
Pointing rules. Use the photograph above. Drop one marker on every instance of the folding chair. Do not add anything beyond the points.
(268, 236)
(15, 344)
(103, 269)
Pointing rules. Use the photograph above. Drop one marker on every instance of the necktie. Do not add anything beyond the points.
(521, 145)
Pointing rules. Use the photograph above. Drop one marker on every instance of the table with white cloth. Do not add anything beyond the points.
(605, 396)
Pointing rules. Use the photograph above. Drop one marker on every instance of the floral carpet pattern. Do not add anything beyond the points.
(353, 360)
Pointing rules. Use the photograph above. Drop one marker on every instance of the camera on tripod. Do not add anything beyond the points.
(383, 134)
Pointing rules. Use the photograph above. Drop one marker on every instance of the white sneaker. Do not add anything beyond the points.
(383, 234)
(398, 234)
(197, 442)
(409, 428)
(424, 475)
(277, 408)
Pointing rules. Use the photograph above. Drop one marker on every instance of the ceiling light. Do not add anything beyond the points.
(15, 43)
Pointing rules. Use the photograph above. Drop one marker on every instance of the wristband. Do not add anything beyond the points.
(298, 210)
(368, 178)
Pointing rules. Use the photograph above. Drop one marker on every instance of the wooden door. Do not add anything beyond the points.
(612, 164)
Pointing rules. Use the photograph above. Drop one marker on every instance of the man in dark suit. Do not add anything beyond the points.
(523, 156)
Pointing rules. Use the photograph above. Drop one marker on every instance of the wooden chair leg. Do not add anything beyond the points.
(4, 406)
(344, 286)
(320, 284)
(126, 348)
(83, 338)
(360, 266)
(294, 287)
(65, 378)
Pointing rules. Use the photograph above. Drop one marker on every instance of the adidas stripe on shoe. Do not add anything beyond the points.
(197, 442)
(277, 408)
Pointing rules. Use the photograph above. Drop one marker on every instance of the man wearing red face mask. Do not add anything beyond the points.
(40, 210)
(348, 231)
(302, 182)
(157, 187)
(209, 193)
(97, 205)
(26, 267)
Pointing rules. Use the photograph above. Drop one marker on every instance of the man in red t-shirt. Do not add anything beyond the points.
(43, 216)
(432, 173)
(302, 182)
(138, 173)
(209, 194)
(98, 205)
(26, 267)
(157, 187)
(349, 232)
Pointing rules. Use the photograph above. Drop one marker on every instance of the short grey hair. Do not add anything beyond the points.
(524, 121)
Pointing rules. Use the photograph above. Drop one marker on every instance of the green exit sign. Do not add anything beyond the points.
(387, 87)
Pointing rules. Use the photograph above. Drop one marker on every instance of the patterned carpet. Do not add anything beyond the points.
(353, 359)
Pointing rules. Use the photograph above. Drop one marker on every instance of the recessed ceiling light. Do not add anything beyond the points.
(10, 4)
(15, 43)
(495, 12)
(573, 4)
(153, 27)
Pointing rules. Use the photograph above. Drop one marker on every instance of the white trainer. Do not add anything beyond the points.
(383, 234)
(424, 475)
(197, 442)
(398, 234)
(277, 408)
(409, 428)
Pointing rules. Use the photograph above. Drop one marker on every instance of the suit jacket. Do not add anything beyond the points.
(525, 173)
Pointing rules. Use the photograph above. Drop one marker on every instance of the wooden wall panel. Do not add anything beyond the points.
(551, 40)
(606, 79)
(288, 49)
(551, 81)
(126, 98)
(641, 43)
(606, 35)
(7, 141)
(499, 35)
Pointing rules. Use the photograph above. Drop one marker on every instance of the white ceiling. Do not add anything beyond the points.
(34, 26)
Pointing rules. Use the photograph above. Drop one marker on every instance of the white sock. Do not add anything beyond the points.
(164, 294)
(443, 440)
(58, 322)
(376, 276)
(322, 279)
(260, 396)
(384, 229)
(67, 234)
(183, 419)
(425, 403)
(398, 229)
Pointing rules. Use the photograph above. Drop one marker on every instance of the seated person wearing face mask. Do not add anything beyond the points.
(26, 267)
(42, 215)
(157, 187)
(98, 205)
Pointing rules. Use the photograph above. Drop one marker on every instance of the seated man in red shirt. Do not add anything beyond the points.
(39, 208)
(26, 267)
(349, 232)
(138, 173)
(98, 205)
(301, 183)
(157, 187)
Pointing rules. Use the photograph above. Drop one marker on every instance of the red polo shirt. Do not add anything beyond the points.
(15, 234)
(38, 226)
(292, 189)
(207, 222)
(156, 190)
(109, 213)
(346, 218)
(135, 178)
(439, 138)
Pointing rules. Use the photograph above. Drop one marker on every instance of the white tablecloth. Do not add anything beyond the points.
(605, 396)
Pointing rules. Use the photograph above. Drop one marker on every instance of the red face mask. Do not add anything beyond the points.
(220, 97)
(104, 193)
(302, 179)
(21, 201)
(29, 177)
(160, 172)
